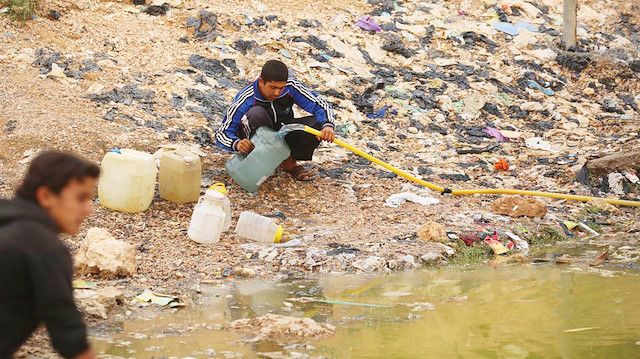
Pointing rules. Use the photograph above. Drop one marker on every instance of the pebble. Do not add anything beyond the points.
(24, 58)
(245, 272)
(393, 264)
(95, 88)
(271, 256)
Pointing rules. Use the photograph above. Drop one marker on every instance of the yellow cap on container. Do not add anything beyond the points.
(278, 234)
(219, 187)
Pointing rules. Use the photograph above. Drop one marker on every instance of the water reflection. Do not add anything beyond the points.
(509, 312)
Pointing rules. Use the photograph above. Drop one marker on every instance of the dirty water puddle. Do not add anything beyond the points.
(517, 312)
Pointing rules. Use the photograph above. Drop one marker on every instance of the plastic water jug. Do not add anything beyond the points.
(207, 220)
(258, 228)
(127, 180)
(180, 176)
(226, 205)
(269, 152)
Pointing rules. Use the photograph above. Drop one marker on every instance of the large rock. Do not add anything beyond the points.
(433, 232)
(104, 255)
(87, 301)
(432, 258)
(271, 327)
(369, 264)
(244, 272)
(604, 205)
(99, 302)
(109, 297)
(515, 206)
(614, 163)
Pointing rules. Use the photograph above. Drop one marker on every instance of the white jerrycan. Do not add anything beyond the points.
(127, 180)
(258, 228)
(207, 221)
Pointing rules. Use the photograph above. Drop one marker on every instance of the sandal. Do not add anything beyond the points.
(301, 174)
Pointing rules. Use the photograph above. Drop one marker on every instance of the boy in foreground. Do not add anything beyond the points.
(35, 266)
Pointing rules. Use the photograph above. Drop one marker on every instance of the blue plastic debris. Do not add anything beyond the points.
(285, 53)
(526, 25)
(380, 113)
(512, 29)
(506, 27)
(537, 86)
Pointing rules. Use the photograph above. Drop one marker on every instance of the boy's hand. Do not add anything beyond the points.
(245, 146)
(327, 134)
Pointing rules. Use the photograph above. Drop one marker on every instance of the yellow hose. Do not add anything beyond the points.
(434, 187)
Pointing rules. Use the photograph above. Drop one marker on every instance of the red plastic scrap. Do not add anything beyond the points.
(470, 239)
(502, 165)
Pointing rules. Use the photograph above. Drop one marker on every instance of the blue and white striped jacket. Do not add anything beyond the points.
(280, 109)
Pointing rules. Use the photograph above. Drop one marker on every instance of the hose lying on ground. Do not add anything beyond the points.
(434, 187)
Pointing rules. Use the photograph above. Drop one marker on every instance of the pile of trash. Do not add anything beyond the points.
(464, 77)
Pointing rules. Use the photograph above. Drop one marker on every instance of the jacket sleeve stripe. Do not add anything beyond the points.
(221, 134)
(309, 96)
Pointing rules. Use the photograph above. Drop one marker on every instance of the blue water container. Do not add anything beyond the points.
(269, 152)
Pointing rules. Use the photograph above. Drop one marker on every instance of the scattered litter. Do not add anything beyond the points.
(521, 244)
(537, 143)
(497, 246)
(313, 300)
(56, 71)
(506, 27)
(615, 183)
(564, 259)
(511, 29)
(165, 300)
(28, 156)
(368, 23)
(83, 284)
(292, 243)
(631, 176)
(396, 294)
(494, 132)
(157, 10)
(600, 258)
(577, 330)
(588, 229)
(395, 200)
(502, 165)
(285, 53)
(537, 86)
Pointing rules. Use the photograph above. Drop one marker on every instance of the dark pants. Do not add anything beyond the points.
(301, 144)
